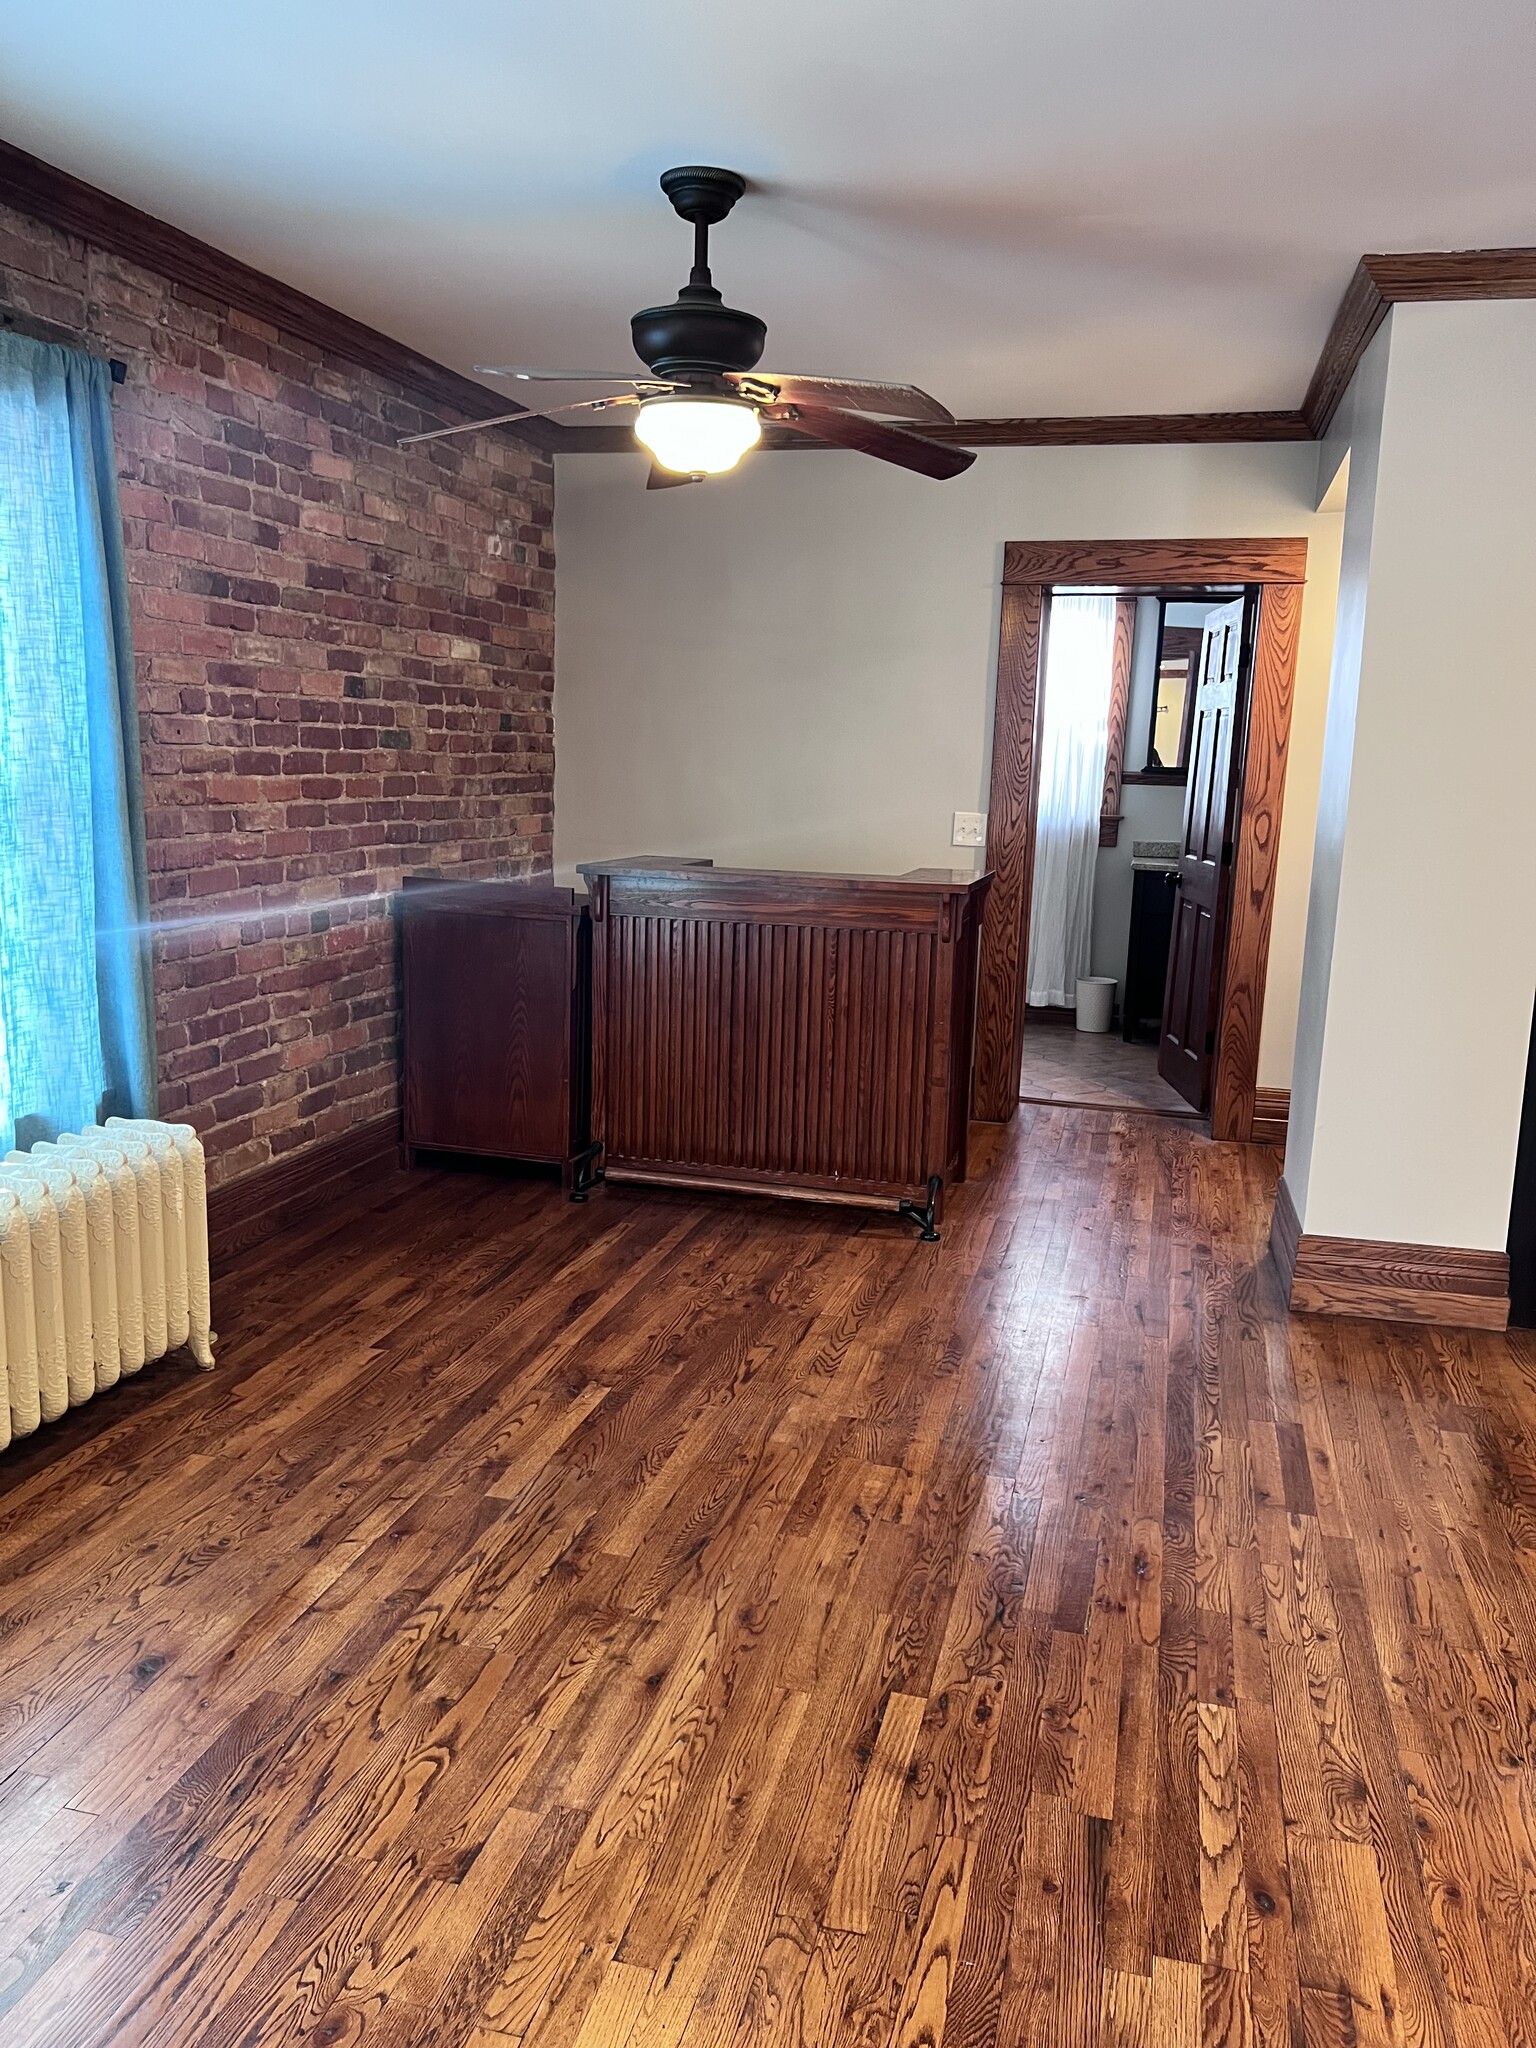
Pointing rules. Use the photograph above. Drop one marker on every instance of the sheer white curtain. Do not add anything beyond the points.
(1073, 744)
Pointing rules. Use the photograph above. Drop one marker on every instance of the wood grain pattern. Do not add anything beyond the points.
(1361, 311)
(1010, 854)
(1119, 714)
(1125, 430)
(1030, 568)
(65, 202)
(801, 1034)
(1410, 1283)
(669, 1624)
(1380, 282)
(1271, 1116)
(1272, 690)
(1137, 564)
(243, 1212)
(496, 997)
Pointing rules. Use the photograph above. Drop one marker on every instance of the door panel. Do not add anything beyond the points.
(1185, 1052)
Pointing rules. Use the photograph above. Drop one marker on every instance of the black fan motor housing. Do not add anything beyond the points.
(697, 335)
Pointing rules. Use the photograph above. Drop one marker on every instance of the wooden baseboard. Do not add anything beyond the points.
(243, 1212)
(1399, 1283)
(1284, 1236)
(1049, 1013)
(1271, 1115)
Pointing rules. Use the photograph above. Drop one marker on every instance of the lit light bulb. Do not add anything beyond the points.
(697, 436)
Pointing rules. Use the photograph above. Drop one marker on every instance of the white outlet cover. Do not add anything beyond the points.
(970, 829)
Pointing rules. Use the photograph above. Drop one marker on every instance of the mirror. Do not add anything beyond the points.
(1178, 669)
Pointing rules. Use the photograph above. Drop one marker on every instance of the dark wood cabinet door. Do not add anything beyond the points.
(488, 1003)
(1187, 1048)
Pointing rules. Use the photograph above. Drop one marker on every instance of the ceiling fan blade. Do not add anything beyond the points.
(573, 376)
(854, 394)
(663, 479)
(538, 412)
(870, 437)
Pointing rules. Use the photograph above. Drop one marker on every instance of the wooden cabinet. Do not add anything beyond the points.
(1153, 895)
(783, 1033)
(497, 1021)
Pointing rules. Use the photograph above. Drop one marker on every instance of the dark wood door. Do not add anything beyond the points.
(1187, 1048)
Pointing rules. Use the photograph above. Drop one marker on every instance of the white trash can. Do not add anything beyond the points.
(1096, 1002)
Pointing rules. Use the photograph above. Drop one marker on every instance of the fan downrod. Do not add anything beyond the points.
(698, 337)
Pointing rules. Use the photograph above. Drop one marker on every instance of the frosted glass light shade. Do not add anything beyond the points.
(697, 436)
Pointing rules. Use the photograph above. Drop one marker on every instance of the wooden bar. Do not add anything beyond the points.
(791, 1034)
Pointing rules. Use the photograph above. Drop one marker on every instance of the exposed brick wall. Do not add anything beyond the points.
(345, 670)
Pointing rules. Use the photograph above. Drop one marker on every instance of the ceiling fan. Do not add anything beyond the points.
(705, 402)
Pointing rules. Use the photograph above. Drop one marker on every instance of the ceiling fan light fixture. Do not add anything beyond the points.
(697, 436)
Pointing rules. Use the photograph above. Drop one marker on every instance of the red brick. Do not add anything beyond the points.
(277, 508)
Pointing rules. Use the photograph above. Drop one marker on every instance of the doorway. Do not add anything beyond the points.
(1216, 731)
(1133, 728)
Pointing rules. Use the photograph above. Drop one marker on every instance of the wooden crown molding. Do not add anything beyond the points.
(1444, 1285)
(75, 208)
(1383, 281)
(1110, 430)
(69, 204)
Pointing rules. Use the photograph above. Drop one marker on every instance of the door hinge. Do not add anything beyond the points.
(1210, 1043)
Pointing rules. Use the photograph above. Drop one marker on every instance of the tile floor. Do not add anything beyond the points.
(1095, 1070)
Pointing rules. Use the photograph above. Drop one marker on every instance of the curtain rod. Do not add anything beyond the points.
(48, 330)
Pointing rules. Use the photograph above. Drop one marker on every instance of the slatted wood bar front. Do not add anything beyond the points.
(787, 1034)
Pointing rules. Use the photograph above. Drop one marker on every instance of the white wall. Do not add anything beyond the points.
(794, 666)
(1421, 949)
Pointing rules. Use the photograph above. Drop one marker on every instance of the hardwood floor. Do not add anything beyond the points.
(681, 1622)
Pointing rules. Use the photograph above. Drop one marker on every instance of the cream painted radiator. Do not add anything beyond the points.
(103, 1264)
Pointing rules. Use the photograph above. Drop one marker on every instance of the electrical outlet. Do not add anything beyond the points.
(970, 829)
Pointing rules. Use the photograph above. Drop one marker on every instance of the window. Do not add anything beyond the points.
(75, 1007)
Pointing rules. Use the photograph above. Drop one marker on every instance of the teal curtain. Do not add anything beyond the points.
(76, 1005)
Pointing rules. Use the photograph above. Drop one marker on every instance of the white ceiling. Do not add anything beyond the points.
(1028, 206)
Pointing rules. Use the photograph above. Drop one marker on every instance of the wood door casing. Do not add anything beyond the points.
(1030, 568)
(1187, 1049)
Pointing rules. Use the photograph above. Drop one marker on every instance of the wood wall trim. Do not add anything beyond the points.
(1417, 277)
(1271, 1115)
(1119, 714)
(1266, 749)
(1088, 430)
(1122, 430)
(60, 201)
(243, 1212)
(1361, 311)
(1284, 1236)
(1134, 564)
(1401, 1283)
(1010, 857)
(1030, 568)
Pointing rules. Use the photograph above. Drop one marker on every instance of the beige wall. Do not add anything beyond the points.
(794, 666)
(1421, 955)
